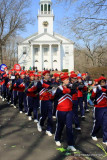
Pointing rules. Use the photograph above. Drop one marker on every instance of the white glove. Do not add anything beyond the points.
(70, 85)
(94, 90)
(61, 88)
(41, 81)
(90, 82)
(53, 91)
(23, 84)
(99, 87)
(35, 84)
(86, 84)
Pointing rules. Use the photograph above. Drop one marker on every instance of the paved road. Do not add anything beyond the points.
(20, 140)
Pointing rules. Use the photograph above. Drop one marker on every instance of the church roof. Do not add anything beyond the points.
(43, 34)
(46, 37)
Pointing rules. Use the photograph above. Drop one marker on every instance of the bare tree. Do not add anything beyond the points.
(91, 15)
(14, 15)
(89, 27)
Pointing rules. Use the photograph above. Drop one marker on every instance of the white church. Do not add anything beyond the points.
(46, 49)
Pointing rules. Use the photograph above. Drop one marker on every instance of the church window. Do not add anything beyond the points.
(45, 51)
(36, 60)
(24, 50)
(45, 30)
(45, 61)
(49, 7)
(55, 61)
(66, 52)
(45, 7)
(42, 7)
(36, 51)
(55, 49)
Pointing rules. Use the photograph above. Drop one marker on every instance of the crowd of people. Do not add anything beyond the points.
(57, 96)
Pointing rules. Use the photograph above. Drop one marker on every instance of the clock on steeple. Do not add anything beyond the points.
(45, 17)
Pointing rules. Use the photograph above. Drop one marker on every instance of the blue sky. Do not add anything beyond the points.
(60, 11)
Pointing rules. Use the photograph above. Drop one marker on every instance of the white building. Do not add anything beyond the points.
(46, 49)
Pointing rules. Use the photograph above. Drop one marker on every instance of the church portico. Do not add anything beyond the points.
(45, 56)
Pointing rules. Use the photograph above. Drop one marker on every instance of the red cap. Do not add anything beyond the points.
(83, 74)
(39, 75)
(39, 72)
(36, 75)
(17, 74)
(73, 75)
(101, 78)
(72, 72)
(56, 75)
(61, 73)
(79, 77)
(44, 72)
(64, 77)
(22, 73)
(65, 73)
(31, 75)
(31, 72)
(10, 73)
(96, 80)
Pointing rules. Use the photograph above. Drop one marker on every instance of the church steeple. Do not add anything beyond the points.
(45, 17)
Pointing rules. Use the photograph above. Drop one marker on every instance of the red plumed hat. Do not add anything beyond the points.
(44, 72)
(64, 77)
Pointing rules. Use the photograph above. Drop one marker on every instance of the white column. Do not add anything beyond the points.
(50, 56)
(32, 59)
(43, 8)
(59, 57)
(41, 58)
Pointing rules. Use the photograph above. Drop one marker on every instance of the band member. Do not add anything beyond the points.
(46, 103)
(9, 87)
(55, 82)
(21, 93)
(80, 96)
(32, 98)
(75, 101)
(15, 89)
(64, 113)
(99, 96)
(3, 83)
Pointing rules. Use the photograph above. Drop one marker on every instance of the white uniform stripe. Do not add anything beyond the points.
(65, 99)
(65, 96)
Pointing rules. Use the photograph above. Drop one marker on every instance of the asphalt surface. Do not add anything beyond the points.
(20, 140)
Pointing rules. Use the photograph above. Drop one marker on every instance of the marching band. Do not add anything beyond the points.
(56, 96)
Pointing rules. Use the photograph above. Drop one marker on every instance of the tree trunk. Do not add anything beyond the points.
(1, 58)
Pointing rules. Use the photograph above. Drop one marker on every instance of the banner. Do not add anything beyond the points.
(2, 66)
(17, 67)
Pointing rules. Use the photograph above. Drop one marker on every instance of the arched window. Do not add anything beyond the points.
(45, 7)
(42, 7)
(49, 7)
(45, 61)
(55, 61)
(36, 61)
